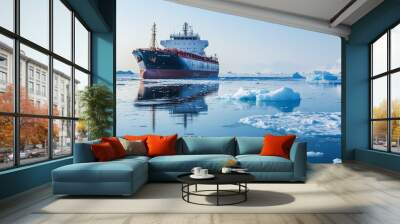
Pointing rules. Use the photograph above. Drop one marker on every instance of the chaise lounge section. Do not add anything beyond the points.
(125, 176)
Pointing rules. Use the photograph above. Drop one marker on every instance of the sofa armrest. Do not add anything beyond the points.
(83, 152)
(298, 155)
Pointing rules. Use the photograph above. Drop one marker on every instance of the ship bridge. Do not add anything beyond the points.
(186, 41)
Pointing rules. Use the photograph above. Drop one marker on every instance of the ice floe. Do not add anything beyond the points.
(315, 154)
(299, 123)
(337, 161)
(323, 77)
(262, 95)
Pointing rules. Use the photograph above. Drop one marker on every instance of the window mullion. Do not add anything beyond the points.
(50, 81)
(16, 70)
(73, 81)
(389, 101)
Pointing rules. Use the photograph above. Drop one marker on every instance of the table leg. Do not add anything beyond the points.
(182, 190)
(188, 190)
(195, 188)
(245, 193)
(217, 194)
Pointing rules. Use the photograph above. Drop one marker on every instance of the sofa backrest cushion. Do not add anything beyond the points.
(249, 145)
(83, 152)
(193, 145)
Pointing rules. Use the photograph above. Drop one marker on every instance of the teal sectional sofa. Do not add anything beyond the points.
(125, 176)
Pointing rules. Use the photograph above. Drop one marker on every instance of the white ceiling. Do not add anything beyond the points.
(315, 15)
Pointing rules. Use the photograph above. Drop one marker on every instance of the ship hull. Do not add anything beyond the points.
(165, 64)
(175, 74)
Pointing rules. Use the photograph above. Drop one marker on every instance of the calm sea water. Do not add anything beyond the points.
(216, 108)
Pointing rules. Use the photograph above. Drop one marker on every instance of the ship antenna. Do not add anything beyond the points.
(153, 41)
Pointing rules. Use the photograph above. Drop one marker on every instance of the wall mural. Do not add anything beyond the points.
(173, 82)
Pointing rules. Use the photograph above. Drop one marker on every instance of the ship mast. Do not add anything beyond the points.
(153, 41)
(185, 28)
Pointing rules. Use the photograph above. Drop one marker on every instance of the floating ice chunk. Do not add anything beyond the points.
(323, 77)
(315, 154)
(281, 94)
(337, 161)
(262, 95)
(297, 75)
(299, 123)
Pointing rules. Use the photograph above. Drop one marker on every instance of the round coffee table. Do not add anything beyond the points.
(238, 179)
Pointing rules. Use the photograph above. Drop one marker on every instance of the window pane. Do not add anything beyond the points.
(379, 55)
(62, 137)
(379, 135)
(6, 142)
(62, 89)
(395, 47)
(81, 131)
(33, 139)
(395, 136)
(7, 14)
(395, 94)
(81, 82)
(35, 21)
(6, 75)
(81, 45)
(379, 97)
(62, 29)
(34, 97)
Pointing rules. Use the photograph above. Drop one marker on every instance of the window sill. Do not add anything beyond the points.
(30, 166)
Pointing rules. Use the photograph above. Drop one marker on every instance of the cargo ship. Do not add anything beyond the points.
(183, 56)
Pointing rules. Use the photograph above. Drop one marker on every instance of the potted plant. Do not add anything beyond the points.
(96, 103)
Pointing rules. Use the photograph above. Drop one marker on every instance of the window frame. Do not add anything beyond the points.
(388, 74)
(16, 114)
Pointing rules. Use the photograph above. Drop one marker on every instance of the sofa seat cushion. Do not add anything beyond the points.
(113, 171)
(257, 163)
(185, 163)
(133, 158)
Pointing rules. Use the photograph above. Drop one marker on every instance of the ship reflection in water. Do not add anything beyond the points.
(181, 100)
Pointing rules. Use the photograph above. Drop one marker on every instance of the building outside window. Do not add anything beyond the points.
(43, 90)
(30, 72)
(3, 61)
(30, 87)
(38, 89)
(37, 75)
(3, 78)
(43, 77)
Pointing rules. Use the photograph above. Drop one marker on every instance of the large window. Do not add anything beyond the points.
(385, 91)
(40, 80)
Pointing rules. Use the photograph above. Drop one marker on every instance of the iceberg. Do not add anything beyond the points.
(337, 161)
(315, 154)
(261, 95)
(323, 77)
(299, 123)
(297, 76)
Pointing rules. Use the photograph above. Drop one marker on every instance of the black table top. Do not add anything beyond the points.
(220, 178)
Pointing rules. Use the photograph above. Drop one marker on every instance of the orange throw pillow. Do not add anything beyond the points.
(116, 145)
(161, 145)
(277, 145)
(103, 152)
(136, 137)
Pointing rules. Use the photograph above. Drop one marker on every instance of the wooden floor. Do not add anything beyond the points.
(378, 189)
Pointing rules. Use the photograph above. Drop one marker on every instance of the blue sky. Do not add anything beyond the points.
(242, 45)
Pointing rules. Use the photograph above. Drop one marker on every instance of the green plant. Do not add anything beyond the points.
(97, 105)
